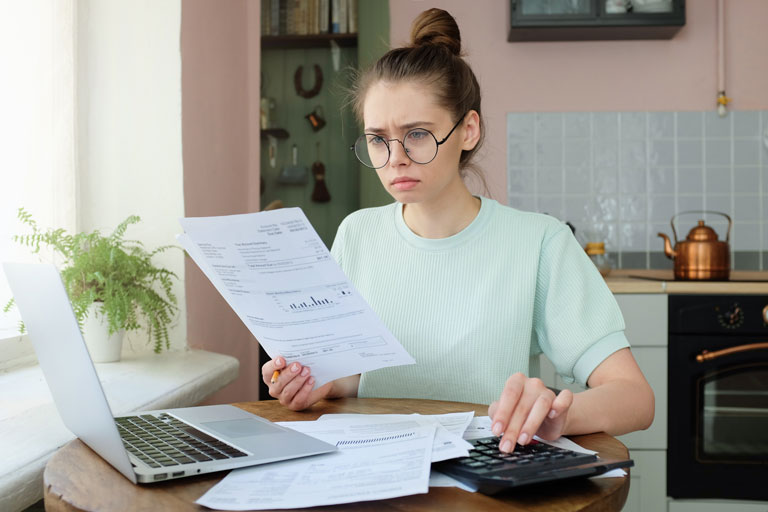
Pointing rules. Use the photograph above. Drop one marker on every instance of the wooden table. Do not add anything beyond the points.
(76, 479)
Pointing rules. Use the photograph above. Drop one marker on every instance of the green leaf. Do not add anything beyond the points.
(134, 293)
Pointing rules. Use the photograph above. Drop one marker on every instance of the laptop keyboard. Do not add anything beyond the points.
(163, 440)
(487, 457)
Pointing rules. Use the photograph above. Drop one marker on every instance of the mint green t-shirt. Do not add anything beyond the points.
(474, 308)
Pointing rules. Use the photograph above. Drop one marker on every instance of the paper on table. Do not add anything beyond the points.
(614, 473)
(277, 275)
(438, 479)
(564, 442)
(448, 443)
(371, 464)
(478, 428)
(454, 422)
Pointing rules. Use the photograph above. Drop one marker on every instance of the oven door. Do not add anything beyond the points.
(718, 417)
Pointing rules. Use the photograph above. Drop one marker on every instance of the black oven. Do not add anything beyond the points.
(718, 397)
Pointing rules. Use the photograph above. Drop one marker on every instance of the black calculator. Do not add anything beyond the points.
(492, 471)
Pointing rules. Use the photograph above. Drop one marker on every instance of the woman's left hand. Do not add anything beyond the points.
(527, 407)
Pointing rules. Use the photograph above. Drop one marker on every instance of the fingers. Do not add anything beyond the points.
(306, 396)
(293, 386)
(523, 406)
(561, 404)
(492, 409)
(268, 369)
(554, 424)
(507, 404)
(536, 416)
(289, 382)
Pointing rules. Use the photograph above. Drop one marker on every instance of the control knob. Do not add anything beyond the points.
(733, 317)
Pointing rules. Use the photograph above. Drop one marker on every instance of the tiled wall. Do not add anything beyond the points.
(619, 177)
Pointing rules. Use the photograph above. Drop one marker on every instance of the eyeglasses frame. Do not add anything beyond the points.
(389, 149)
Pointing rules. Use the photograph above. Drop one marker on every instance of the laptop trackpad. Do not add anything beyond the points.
(241, 428)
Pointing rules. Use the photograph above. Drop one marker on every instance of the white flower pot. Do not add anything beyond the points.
(102, 347)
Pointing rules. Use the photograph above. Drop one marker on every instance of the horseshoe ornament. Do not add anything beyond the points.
(297, 82)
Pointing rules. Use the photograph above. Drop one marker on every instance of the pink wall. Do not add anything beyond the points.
(220, 137)
(663, 75)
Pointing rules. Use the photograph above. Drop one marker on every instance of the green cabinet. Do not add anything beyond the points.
(351, 186)
(310, 58)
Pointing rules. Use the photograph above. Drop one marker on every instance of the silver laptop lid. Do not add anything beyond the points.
(47, 313)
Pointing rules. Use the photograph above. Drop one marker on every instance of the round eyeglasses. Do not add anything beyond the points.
(419, 144)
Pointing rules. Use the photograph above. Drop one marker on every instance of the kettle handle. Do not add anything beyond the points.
(727, 234)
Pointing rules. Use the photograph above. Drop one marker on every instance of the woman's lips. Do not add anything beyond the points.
(404, 183)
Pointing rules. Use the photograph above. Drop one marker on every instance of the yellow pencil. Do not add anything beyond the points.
(275, 375)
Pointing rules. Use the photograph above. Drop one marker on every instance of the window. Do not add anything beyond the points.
(37, 130)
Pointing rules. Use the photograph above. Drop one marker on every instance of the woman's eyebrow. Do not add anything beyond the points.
(406, 126)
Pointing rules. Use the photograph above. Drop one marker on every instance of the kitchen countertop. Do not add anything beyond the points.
(663, 281)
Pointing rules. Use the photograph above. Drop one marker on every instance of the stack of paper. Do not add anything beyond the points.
(379, 457)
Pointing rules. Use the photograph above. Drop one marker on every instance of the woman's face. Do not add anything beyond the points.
(391, 110)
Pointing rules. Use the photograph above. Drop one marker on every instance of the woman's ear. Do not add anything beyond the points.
(471, 130)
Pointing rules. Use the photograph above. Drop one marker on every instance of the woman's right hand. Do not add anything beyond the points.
(293, 387)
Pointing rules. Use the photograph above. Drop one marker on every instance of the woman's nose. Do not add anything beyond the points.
(398, 155)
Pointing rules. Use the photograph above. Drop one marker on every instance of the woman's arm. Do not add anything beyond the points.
(619, 401)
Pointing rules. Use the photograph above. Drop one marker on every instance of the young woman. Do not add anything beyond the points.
(474, 290)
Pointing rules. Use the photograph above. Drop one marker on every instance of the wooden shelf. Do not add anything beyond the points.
(308, 41)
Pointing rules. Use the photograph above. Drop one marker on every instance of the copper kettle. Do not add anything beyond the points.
(701, 256)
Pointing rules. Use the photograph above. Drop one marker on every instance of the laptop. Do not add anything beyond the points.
(147, 446)
(491, 471)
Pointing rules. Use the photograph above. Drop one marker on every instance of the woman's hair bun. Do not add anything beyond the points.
(436, 27)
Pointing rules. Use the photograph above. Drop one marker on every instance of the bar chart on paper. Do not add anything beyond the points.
(312, 299)
(280, 279)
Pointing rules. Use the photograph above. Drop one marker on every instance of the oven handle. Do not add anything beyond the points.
(706, 355)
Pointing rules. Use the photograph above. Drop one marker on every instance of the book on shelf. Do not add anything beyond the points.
(274, 17)
(324, 16)
(283, 11)
(265, 18)
(352, 16)
(306, 17)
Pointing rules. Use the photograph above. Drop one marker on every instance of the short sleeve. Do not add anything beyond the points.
(577, 322)
(338, 246)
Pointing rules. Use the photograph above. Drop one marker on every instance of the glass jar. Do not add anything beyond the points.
(596, 252)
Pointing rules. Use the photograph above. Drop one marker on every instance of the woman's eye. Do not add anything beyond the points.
(417, 135)
(375, 139)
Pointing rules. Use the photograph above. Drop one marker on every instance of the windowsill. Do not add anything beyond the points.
(15, 351)
(31, 429)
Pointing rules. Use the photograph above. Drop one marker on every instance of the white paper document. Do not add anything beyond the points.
(448, 443)
(438, 479)
(375, 461)
(478, 428)
(277, 275)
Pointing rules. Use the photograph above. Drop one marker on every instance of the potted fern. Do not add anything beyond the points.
(110, 281)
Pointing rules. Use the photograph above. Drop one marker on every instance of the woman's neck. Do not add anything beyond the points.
(444, 216)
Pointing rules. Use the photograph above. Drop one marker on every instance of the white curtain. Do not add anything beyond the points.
(37, 124)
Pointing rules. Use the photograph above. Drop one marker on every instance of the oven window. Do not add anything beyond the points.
(733, 419)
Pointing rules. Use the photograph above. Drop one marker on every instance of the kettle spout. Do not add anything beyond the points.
(668, 250)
